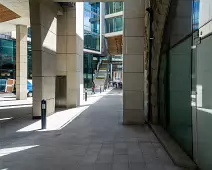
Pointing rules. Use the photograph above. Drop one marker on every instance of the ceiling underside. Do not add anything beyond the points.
(17, 13)
(21, 8)
(114, 45)
(6, 14)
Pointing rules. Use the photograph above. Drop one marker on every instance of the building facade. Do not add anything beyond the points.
(103, 31)
(109, 15)
(8, 58)
(113, 16)
(92, 45)
(185, 79)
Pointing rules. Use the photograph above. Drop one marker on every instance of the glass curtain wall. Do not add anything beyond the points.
(203, 115)
(92, 26)
(88, 70)
(8, 59)
(114, 24)
(185, 91)
(202, 83)
(91, 39)
(175, 93)
(113, 7)
(29, 64)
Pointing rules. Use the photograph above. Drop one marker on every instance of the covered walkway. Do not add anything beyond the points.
(95, 140)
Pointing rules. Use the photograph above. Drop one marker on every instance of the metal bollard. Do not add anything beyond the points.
(86, 95)
(43, 114)
(100, 89)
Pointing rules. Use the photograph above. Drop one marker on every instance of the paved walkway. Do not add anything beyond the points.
(95, 140)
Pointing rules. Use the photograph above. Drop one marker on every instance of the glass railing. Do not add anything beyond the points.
(113, 29)
(114, 24)
(114, 7)
(93, 30)
(91, 41)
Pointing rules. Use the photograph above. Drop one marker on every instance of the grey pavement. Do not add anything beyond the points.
(95, 140)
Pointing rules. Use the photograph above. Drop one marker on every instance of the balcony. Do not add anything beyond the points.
(114, 27)
(114, 7)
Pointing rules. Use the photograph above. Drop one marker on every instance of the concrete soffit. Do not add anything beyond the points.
(7, 14)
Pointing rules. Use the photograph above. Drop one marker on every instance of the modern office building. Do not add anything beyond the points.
(8, 57)
(113, 16)
(158, 38)
(102, 22)
(92, 43)
(103, 32)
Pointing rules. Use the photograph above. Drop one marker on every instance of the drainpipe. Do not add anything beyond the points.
(150, 11)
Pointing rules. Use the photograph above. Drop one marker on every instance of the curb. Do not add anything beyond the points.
(178, 156)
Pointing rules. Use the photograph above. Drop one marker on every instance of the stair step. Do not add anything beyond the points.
(100, 78)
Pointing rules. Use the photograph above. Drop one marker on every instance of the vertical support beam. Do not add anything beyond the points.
(70, 52)
(133, 56)
(43, 17)
(21, 62)
(75, 46)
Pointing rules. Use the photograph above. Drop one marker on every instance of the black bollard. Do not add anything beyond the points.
(100, 89)
(86, 95)
(43, 114)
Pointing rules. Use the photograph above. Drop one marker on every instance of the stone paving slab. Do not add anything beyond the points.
(95, 140)
(178, 156)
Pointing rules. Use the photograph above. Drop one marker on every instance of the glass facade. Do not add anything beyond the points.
(88, 70)
(92, 26)
(113, 7)
(175, 94)
(114, 24)
(90, 65)
(29, 32)
(91, 40)
(196, 13)
(8, 59)
(29, 64)
(185, 95)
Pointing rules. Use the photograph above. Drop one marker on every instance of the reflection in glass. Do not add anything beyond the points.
(113, 7)
(92, 26)
(114, 24)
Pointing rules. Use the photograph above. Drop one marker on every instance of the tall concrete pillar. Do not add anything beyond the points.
(133, 57)
(43, 18)
(21, 62)
(70, 52)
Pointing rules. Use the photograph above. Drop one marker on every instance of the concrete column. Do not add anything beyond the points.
(70, 52)
(133, 57)
(43, 17)
(21, 62)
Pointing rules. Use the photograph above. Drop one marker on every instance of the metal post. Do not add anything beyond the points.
(86, 95)
(43, 114)
(100, 89)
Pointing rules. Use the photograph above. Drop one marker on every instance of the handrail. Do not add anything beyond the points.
(187, 36)
(97, 69)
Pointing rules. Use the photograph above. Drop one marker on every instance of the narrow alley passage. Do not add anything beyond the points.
(95, 140)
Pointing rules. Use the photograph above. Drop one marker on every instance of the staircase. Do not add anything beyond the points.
(101, 77)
